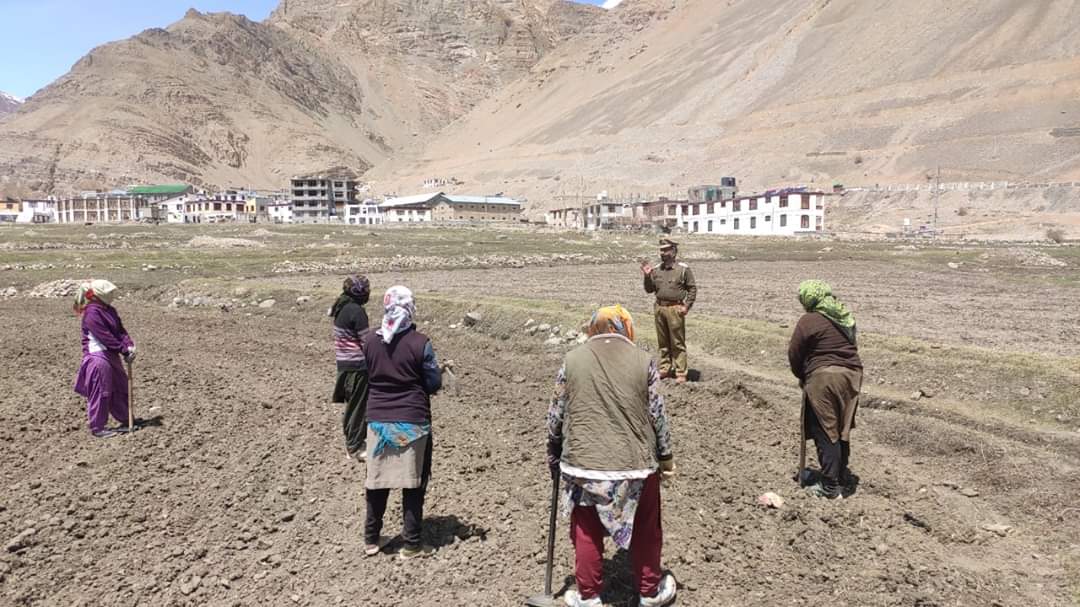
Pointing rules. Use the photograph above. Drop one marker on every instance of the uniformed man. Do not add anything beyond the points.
(673, 283)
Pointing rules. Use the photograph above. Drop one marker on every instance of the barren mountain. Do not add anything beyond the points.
(667, 93)
(8, 104)
(216, 99)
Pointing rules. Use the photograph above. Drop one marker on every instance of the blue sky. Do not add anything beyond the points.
(41, 39)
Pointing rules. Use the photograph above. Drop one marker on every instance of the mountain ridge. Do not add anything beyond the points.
(219, 100)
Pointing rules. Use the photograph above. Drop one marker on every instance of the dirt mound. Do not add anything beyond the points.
(53, 289)
(211, 242)
(1033, 258)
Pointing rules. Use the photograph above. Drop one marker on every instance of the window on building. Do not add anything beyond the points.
(696, 209)
(784, 201)
(805, 202)
(711, 209)
(819, 202)
(685, 209)
(709, 226)
(753, 223)
(768, 218)
(736, 205)
(217, 206)
(735, 223)
(783, 221)
(753, 205)
(806, 222)
(695, 226)
(723, 222)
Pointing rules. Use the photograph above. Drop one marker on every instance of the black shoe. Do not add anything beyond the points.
(106, 433)
(825, 489)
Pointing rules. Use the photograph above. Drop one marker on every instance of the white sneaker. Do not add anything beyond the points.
(665, 595)
(573, 599)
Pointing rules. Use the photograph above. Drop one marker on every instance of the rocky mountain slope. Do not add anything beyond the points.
(8, 103)
(673, 92)
(217, 100)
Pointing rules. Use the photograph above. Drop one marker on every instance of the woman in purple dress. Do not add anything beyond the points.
(102, 380)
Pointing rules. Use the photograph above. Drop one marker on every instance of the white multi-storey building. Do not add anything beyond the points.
(774, 213)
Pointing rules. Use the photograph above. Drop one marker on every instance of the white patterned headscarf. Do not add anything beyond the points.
(399, 311)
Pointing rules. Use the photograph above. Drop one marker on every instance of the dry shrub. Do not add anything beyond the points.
(1056, 234)
(963, 212)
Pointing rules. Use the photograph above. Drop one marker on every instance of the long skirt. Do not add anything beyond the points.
(833, 394)
(104, 384)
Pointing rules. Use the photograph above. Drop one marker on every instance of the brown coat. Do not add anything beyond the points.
(816, 343)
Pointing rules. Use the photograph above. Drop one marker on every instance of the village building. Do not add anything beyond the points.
(786, 212)
(279, 212)
(321, 199)
(365, 213)
(9, 210)
(103, 207)
(154, 194)
(449, 208)
(567, 218)
(256, 207)
(173, 210)
(713, 193)
(222, 207)
(37, 211)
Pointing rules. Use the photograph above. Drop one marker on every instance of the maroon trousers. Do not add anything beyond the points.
(587, 534)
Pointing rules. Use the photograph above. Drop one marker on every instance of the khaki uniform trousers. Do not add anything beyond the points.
(671, 339)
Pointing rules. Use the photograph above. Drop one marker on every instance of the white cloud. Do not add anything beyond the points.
(611, 4)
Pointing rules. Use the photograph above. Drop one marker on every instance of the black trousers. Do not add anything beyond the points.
(833, 457)
(412, 505)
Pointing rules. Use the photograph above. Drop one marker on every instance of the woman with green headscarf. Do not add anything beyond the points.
(824, 355)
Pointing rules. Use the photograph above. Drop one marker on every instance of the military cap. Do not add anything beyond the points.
(666, 243)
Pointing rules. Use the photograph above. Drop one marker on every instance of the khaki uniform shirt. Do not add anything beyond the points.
(672, 284)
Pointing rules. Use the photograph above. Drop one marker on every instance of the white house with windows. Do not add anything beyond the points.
(788, 212)
(365, 213)
(280, 212)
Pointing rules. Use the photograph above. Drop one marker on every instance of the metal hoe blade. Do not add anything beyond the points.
(541, 600)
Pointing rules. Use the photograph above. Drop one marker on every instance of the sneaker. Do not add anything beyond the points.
(415, 553)
(106, 433)
(665, 594)
(826, 491)
(573, 599)
(373, 549)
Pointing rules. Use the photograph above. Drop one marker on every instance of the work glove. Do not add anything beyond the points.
(667, 470)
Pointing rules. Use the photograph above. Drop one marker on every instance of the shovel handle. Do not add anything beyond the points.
(551, 534)
(131, 398)
(802, 441)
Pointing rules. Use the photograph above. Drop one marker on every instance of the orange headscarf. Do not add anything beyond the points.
(612, 319)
